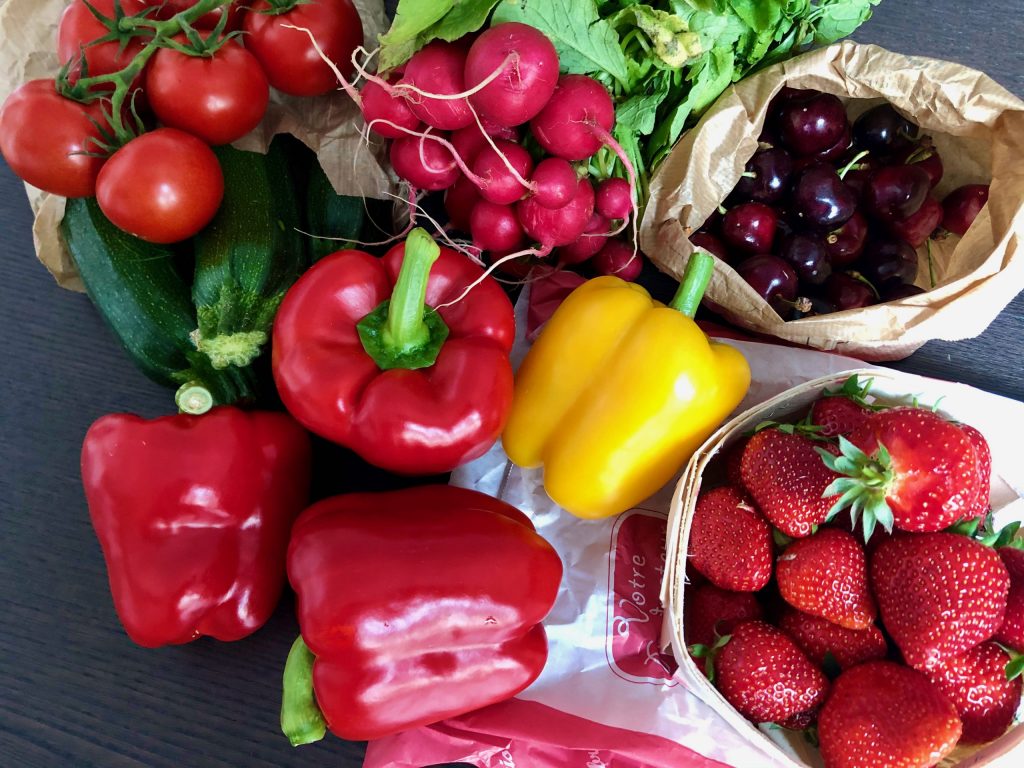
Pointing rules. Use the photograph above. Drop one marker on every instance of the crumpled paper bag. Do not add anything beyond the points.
(329, 125)
(978, 129)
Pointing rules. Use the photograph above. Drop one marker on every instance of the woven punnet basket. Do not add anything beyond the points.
(954, 401)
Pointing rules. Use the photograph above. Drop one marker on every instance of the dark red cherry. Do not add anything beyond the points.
(838, 149)
(750, 227)
(962, 206)
(806, 254)
(894, 291)
(896, 191)
(918, 228)
(845, 244)
(847, 292)
(883, 131)
(712, 244)
(807, 126)
(821, 199)
(888, 258)
(772, 279)
(925, 157)
(766, 176)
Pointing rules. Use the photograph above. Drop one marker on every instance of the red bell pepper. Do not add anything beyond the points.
(414, 606)
(359, 359)
(193, 515)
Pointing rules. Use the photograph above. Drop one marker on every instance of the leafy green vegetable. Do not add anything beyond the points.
(664, 61)
(585, 42)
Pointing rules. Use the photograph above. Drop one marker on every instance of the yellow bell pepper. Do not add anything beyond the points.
(619, 391)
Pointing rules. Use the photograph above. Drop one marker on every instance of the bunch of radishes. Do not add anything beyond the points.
(455, 114)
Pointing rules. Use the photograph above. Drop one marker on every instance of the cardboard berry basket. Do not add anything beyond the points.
(978, 129)
(999, 419)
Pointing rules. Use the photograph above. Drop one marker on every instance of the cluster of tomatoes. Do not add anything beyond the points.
(148, 86)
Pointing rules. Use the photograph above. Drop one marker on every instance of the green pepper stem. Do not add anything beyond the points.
(405, 328)
(302, 721)
(695, 281)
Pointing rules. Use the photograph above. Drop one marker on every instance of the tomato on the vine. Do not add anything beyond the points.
(163, 186)
(78, 28)
(45, 139)
(219, 97)
(288, 57)
(168, 8)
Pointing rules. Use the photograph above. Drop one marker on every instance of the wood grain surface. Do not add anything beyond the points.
(73, 690)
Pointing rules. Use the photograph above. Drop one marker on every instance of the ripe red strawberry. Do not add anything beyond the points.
(788, 479)
(711, 612)
(730, 541)
(885, 714)
(908, 466)
(826, 575)
(766, 677)
(976, 684)
(838, 415)
(800, 721)
(818, 637)
(939, 594)
(1011, 633)
(984, 455)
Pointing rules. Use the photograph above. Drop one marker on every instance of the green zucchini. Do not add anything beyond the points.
(138, 292)
(333, 220)
(247, 257)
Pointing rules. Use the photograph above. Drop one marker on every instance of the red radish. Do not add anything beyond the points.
(528, 66)
(554, 181)
(424, 163)
(438, 69)
(614, 199)
(468, 142)
(459, 200)
(552, 228)
(495, 131)
(565, 127)
(590, 242)
(500, 185)
(618, 259)
(495, 227)
(382, 111)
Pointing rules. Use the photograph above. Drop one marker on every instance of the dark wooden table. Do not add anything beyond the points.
(73, 690)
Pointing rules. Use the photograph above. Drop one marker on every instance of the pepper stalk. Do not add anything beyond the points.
(302, 721)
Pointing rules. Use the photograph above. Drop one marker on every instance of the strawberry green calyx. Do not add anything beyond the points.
(1015, 666)
(855, 390)
(709, 653)
(863, 487)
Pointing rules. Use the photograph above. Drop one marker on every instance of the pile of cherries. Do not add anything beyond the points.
(828, 214)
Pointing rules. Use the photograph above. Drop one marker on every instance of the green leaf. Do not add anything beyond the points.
(638, 113)
(759, 15)
(1015, 668)
(585, 42)
(467, 16)
(413, 17)
(417, 22)
(839, 18)
(674, 44)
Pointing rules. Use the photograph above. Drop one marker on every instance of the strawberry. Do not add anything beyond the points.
(826, 575)
(711, 612)
(818, 637)
(732, 457)
(838, 415)
(1011, 633)
(984, 454)
(766, 677)
(885, 714)
(906, 467)
(976, 684)
(788, 480)
(939, 594)
(800, 721)
(730, 541)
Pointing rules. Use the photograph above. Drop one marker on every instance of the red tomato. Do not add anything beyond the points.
(168, 8)
(43, 136)
(78, 27)
(219, 98)
(163, 186)
(287, 55)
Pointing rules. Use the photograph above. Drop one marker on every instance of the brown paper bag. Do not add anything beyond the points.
(978, 129)
(954, 401)
(329, 125)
